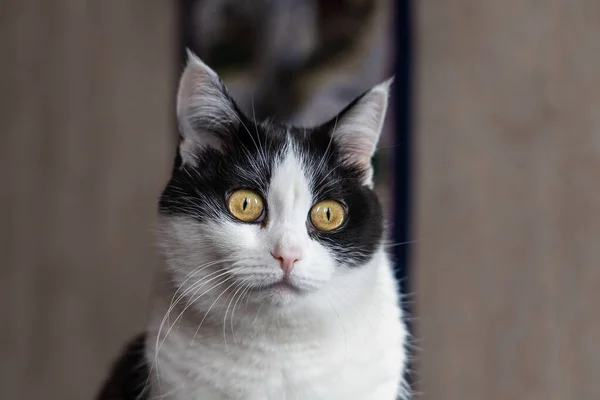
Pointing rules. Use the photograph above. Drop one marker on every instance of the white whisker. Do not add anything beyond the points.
(245, 285)
(208, 311)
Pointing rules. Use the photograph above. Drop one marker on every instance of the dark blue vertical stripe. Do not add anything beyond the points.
(403, 142)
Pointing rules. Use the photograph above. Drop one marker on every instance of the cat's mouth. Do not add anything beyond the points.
(281, 285)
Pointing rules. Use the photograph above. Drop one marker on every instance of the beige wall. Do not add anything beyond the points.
(85, 124)
(508, 199)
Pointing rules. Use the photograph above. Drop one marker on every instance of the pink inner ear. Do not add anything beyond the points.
(196, 77)
(358, 149)
(357, 132)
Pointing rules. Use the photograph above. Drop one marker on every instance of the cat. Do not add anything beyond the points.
(276, 282)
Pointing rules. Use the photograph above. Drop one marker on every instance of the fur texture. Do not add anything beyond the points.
(228, 321)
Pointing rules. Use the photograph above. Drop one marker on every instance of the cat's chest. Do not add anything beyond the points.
(340, 368)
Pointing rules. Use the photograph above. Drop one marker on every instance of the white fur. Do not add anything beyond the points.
(341, 337)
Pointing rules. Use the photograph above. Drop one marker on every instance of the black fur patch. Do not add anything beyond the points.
(247, 159)
(129, 374)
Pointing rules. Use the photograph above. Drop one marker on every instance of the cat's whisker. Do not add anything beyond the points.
(225, 317)
(204, 281)
(257, 314)
(195, 286)
(390, 245)
(218, 297)
(193, 273)
(193, 300)
(167, 314)
(389, 147)
(325, 154)
(207, 313)
(247, 292)
(200, 284)
(159, 343)
(237, 290)
(329, 173)
(257, 170)
(261, 154)
(246, 288)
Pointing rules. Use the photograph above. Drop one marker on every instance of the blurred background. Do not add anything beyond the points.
(488, 170)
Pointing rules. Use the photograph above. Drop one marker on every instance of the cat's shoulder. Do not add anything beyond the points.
(129, 374)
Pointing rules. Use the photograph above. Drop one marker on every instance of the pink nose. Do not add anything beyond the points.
(286, 257)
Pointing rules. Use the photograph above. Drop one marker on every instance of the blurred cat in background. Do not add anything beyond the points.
(298, 60)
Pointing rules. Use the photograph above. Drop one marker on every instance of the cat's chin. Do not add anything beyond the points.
(281, 297)
(281, 293)
(276, 287)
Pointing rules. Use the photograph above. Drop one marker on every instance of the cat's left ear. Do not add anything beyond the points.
(357, 128)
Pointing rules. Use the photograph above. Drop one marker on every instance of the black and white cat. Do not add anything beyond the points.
(277, 285)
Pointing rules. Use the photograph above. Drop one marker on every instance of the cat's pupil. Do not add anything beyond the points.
(245, 204)
(328, 214)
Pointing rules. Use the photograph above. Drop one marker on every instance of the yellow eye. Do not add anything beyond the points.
(246, 205)
(327, 215)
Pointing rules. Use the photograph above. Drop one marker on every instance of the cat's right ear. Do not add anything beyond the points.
(205, 112)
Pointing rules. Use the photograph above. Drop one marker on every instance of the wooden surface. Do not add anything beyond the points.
(507, 275)
(85, 127)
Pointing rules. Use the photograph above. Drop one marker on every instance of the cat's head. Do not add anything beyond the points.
(272, 214)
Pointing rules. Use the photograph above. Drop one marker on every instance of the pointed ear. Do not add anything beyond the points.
(357, 128)
(206, 113)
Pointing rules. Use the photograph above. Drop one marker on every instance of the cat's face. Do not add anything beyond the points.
(266, 213)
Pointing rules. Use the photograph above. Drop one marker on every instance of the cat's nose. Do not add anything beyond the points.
(287, 257)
